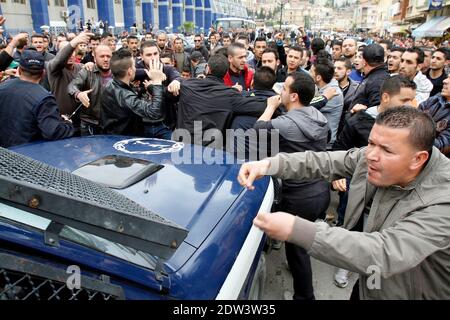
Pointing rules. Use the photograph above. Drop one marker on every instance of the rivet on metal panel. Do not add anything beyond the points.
(34, 202)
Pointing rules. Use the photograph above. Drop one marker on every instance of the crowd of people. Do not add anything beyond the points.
(369, 120)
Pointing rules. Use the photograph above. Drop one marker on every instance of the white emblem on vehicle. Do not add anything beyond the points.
(148, 146)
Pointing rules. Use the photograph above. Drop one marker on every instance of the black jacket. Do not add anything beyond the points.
(83, 81)
(349, 94)
(210, 101)
(439, 109)
(123, 111)
(28, 113)
(368, 91)
(169, 112)
(356, 131)
(170, 72)
(5, 60)
(282, 73)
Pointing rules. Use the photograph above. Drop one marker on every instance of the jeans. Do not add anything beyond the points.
(160, 131)
(343, 199)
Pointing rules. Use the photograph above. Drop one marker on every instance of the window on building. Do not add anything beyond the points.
(19, 1)
(59, 3)
(90, 4)
(118, 1)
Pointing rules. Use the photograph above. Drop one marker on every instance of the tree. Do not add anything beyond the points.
(307, 22)
(261, 14)
(188, 26)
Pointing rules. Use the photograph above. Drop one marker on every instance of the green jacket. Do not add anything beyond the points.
(407, 233)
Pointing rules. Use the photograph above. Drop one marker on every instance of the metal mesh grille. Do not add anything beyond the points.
(25, 169)
(23, 286)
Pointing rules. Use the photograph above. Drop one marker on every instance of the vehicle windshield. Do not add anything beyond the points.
(117, 250)
(234, 24)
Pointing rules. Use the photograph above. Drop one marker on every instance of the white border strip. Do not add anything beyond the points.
(235, 280)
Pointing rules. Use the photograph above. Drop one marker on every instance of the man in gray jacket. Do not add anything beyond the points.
(323, 74)
(400, 191)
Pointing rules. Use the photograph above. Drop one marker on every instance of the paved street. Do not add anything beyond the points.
(279, 278)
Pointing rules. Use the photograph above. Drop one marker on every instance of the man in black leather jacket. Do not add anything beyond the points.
(122, 110)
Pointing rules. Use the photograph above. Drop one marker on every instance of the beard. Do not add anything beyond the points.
(103, 69)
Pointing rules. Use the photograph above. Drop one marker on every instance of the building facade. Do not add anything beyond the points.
(118, 15)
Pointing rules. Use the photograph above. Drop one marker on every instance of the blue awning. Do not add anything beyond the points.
(435, 27)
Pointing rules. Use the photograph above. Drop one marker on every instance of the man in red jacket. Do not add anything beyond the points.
(239, 76)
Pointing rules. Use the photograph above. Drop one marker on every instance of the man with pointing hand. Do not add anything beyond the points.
(87, 88)
(400, 192)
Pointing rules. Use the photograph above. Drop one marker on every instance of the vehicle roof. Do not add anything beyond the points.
(203, 192)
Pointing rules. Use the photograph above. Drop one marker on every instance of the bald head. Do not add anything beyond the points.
(102, 56)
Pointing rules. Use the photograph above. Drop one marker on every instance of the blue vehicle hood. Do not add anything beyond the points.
(193, 196)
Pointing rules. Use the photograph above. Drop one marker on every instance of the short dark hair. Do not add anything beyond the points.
(347, 62)
(218, 65)
(445, 52)
(373, 54)
(37, 35)
(212, 34)
(95, 38)
(317, 44)
(222, 50)
(388, 43)
(325, 69)
(260, 39)
(323, 54)
(272, 50)
(132, 37)
(420, 54)
(422, 129)
(296, 48)
(304, 86)
(394, 84)
(149, 44)
(399, 49)
(186, 69)
(167, 54)
(264, 78)
(197, 35)
(227, 36)
(336, 43)
(121, 61)
(106, 35)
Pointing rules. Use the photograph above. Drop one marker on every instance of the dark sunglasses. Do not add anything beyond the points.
(197, 40)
